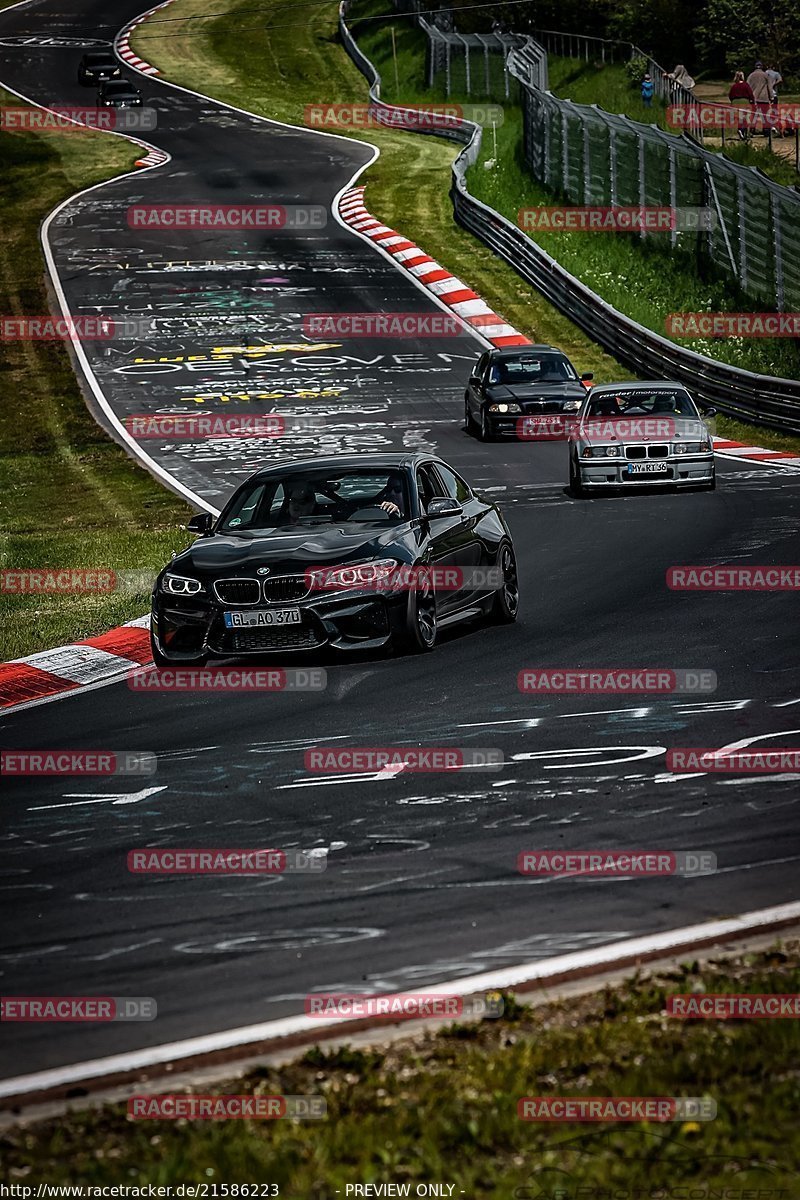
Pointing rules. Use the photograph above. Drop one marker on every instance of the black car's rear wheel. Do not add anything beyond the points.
(505, 604)
(420, 631)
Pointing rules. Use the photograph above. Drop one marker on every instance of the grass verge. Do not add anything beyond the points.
(71, 497)
(442, 1107)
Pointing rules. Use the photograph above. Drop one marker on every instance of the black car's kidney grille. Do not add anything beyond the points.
(284, 587)
(542, 406)
(280, 637)
(237, 591)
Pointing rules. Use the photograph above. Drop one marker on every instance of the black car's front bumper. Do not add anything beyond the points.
(534, 425)
(187, 628)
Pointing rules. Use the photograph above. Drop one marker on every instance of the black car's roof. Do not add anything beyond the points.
(640, 386)
(121, 83)
(515, 351)
(100, 56)
(346, 462)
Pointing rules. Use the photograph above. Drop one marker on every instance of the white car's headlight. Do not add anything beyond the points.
(181, 585)
(504, 408)
(693, 448)
(607, 451)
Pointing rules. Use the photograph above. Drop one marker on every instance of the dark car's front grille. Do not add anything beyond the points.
(280, 637)
(542, 406)
(285, 587)
(238, 591)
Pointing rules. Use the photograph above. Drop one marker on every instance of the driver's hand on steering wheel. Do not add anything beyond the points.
(390, 508)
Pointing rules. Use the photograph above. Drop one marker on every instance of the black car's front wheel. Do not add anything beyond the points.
(470, 424)
(505, 604)
(420, 631)
(485, 429)
(575, 485)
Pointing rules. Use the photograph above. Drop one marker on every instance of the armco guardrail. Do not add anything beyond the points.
(764, 398)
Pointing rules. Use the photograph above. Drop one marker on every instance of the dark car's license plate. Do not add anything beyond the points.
(648, 468)
(260, 618)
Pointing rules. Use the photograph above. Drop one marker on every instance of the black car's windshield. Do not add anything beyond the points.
(119, 89)
(647, 402)
(315, 498)
(532, 368)
(98, 60)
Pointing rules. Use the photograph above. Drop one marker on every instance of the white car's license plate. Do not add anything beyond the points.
(261, 617)
(647, 468)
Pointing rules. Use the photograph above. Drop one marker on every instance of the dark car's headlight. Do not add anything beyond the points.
(181, 585)
(572, 405)
(504, 408)
(358, 575)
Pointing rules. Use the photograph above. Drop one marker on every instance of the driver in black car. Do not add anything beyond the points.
(392, 499)
(300, 502)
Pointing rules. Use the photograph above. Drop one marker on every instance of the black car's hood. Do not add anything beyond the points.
(500, 393)
(293, 550)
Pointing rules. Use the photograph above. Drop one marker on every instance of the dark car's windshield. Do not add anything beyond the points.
(98, 60)
(647, 402)
(313, 498)
(532, 368)
(119, 89)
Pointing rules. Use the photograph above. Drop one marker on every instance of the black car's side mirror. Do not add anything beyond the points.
(444, 506)
(586, 376)
(200, 523)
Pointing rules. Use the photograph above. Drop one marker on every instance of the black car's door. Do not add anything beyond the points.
(475, 394)
(454, 547)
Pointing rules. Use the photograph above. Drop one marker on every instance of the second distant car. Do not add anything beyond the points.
(516, 381)
(97, 66)
(119, 93)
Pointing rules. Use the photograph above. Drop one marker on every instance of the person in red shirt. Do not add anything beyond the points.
(741, 90)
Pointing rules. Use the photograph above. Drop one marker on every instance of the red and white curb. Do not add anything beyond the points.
(300, 1031)
(51, 673)
(465, 303)
(123, 47)
(754, 453)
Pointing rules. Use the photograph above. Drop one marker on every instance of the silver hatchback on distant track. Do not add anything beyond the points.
(648, 433)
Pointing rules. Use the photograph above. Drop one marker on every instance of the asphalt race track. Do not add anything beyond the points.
(421, 882)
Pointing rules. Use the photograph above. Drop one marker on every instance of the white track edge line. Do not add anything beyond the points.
(598, 958)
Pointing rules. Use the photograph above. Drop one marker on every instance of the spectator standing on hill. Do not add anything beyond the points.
(760, 84)
(774, 76)
(648, 88)
(741, 90)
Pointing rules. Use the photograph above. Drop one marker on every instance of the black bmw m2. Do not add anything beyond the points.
(353, 552)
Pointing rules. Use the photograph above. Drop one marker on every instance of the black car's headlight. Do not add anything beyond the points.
(376, 574)
(572, 405)
(181, 585)
(504, 408)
